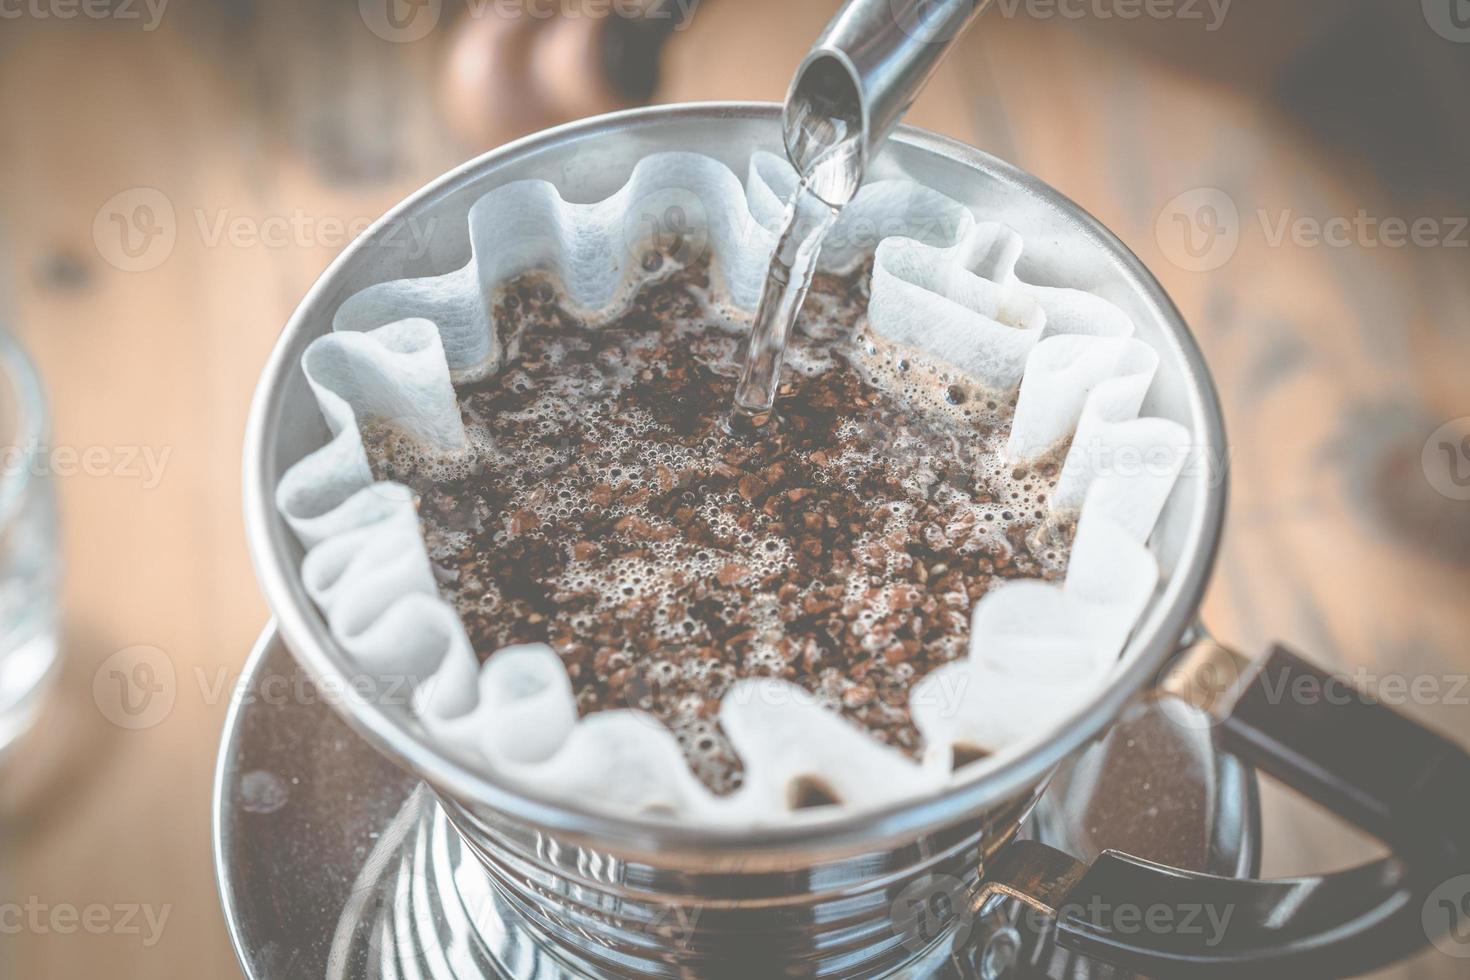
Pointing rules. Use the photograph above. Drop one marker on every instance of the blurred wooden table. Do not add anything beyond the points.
(271, 129)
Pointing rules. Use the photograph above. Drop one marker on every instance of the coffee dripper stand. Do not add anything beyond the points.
(333, 862)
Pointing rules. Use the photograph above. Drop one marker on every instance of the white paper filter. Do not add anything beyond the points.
(943, 282)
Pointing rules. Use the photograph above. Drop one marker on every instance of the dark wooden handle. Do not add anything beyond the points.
(1404, 784)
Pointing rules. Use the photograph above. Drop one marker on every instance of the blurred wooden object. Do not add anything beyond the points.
(1242, 43)
(507, 75)
(1381, 82)
(1335, 365)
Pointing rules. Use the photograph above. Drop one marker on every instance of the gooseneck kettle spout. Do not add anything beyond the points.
(859, 79)
(861, 76)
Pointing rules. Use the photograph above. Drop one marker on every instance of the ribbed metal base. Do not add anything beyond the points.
(428, 911)
(425, 912)
(334, 863)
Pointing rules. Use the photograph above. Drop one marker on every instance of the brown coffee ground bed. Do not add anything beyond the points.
(608, 510)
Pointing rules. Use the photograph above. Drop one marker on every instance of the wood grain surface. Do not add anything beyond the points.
(1335, 363)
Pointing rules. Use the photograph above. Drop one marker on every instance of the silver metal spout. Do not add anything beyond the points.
(859, 79)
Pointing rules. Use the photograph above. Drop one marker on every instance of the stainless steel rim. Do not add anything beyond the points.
(223, 798)
(1154, 641)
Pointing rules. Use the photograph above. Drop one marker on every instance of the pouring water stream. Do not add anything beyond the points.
(859, 79)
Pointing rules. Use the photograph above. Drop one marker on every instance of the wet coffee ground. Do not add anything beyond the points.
(607, 509)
